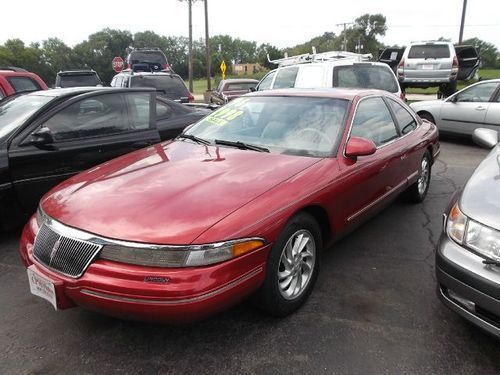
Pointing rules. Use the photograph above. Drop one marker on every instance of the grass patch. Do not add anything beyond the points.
(483, 74)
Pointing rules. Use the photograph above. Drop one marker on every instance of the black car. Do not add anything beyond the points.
(468, 253)
(77, 78)
(153, 58)
(48, 136)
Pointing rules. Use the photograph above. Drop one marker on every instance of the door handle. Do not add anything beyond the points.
(480, 108)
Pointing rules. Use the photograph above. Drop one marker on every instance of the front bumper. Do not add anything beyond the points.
(467, 286)
(151, 293)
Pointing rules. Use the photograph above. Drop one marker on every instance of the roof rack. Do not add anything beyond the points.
(320, 57)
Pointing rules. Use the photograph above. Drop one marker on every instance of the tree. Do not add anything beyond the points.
(364, 33)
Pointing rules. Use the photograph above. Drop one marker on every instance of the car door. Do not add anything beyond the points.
(391, 56)
(84, 131)
(492, 119)
(467, 109)
(371, 180)
(173, 117)
(468, 62)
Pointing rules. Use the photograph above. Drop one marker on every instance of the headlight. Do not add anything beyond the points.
(483, 239)
(180, 256)
(480, 238)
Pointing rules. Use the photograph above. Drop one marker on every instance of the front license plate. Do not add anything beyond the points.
(427, 66)
(42, 287)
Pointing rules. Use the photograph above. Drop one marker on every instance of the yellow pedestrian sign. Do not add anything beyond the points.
(223, 69)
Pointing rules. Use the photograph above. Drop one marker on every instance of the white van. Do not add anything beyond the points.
(343, 72)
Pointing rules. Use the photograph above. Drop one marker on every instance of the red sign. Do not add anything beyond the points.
(117, 64)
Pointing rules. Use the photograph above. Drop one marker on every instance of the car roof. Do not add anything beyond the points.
(240, 80)
(161, 74)
(25, 73)
(343, 62)
(76, 72)
(338, 93)
(71, 91)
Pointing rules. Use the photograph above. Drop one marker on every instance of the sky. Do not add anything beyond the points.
(282, 23)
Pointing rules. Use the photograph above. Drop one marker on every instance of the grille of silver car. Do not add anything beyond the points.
(63, 254)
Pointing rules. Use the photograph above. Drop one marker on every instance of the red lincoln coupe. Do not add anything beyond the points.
(241, 203)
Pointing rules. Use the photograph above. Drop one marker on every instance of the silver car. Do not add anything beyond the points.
(476, 106)
(468, 253)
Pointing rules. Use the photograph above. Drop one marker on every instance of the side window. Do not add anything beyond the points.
(162, 109)
(310, 76)
(265, 84)
(405, 120)
(23, 84)
(374, 121)
(479, 93)
(91, 117)
(285, 78)
(138, 104)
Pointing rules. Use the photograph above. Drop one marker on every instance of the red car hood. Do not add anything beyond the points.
(169, 193)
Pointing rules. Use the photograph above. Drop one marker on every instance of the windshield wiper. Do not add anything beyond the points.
(194, 138)
(491, 262)
(241, 145)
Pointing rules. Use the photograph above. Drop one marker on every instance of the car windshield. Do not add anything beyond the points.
(429, 51)
(307, 126)
(14, 112)
(79, 80)
(171, 86)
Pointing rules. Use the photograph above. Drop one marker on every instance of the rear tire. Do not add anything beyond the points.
(417, 192)
(292, 267)
(449, 88)
(427, 116)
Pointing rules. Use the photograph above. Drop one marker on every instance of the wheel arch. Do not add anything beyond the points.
(321, 216)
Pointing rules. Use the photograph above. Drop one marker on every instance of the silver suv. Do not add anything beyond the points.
(432, 64)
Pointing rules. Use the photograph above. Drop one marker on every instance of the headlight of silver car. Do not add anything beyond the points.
(478, 237)
(180, 256)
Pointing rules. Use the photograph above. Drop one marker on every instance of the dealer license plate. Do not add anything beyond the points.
(42, 287)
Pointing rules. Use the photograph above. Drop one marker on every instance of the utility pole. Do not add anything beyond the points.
(345, 35)
(207, 49)
(190, 48)
(461, 36)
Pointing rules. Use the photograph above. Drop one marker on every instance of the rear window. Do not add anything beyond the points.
(240, 86)
(155, 57)
(365, 77)
(429, 51)
(78, 80)
(285, 78)
(171, 87)
(23, 84)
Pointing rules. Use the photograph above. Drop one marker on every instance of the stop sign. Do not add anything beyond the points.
(117, 64)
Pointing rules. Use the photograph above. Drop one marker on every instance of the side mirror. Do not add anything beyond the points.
(487, 138)
(253, 89)
(453, 99)
(357, 146)
(43, 138)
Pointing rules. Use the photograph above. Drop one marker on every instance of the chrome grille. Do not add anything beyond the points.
(63, 254)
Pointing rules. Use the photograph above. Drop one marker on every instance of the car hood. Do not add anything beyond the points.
(169, 193)
(481, 196)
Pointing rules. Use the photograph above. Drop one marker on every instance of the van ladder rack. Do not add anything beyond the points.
(319, 57)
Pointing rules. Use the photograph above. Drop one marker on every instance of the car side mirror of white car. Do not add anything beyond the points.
(487, 138)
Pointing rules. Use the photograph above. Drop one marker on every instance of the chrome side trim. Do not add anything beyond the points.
(378, 200)
(412, 176)
(202, 297)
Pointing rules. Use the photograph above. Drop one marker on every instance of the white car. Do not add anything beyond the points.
(476, 106)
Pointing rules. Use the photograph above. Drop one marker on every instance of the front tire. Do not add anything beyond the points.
(417, 192)
(292, 267)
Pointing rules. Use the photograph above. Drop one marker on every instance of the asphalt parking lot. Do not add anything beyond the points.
(374, 311)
